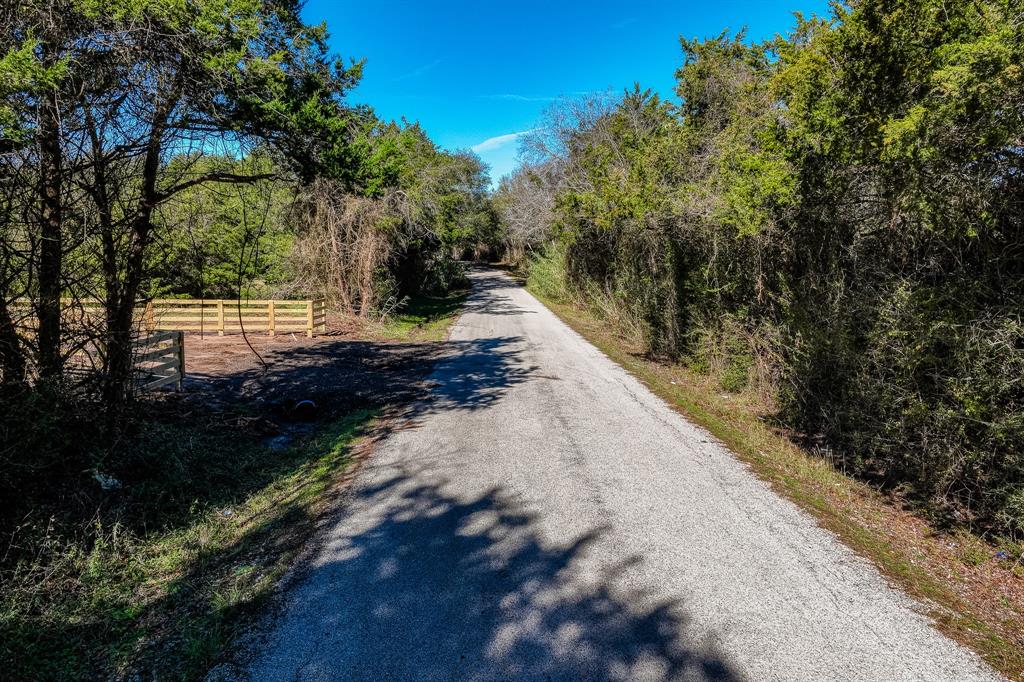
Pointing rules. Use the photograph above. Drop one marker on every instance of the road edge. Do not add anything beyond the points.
(841, 511)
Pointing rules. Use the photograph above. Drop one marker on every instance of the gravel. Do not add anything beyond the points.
(544, 516)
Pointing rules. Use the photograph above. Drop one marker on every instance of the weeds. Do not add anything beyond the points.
(157, 584)
(423, 317)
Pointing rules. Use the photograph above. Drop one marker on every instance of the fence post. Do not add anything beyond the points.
(220, 317)
(270, 317)
(147, 318)
(180, 340)
(309, 319)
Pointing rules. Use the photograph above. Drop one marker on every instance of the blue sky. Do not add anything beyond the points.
(475, 74)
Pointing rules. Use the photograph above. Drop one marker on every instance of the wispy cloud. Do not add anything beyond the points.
(418, 71)
(492, 143)
(513, 97)
(624, 23)
(522, 98)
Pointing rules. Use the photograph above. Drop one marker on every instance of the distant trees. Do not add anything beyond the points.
(219, 240)
(834, 217)
(525, 201)
(413, 210)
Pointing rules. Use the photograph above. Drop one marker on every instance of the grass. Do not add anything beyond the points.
(168, 600)
(972, 596)
(423, 318)
(158, 577)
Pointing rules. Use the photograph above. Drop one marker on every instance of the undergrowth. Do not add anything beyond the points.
(198, 523)
(423, 317)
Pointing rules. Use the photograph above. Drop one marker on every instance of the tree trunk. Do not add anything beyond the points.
(12, 358)
(108, 257)
(51, 251)
(121, 307)
(117, 389)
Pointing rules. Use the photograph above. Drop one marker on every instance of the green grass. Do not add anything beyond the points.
(865, 520)
(424, 318)
(166, 596)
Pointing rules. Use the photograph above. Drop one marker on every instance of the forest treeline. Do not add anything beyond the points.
(200, 149)
(834, 219)
(831, 219)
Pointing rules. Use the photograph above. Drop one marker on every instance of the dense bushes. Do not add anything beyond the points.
(400, 234)
(835, 218)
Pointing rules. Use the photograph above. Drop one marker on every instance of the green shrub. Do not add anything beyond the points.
(546, 273)
(832, 218)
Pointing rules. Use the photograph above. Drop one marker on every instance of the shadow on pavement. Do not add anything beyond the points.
(420, 582)
(440, 588)
(487, 283)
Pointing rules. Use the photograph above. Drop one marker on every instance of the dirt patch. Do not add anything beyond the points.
(275, 377)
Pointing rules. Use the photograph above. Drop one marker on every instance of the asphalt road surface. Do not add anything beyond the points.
(545, 517)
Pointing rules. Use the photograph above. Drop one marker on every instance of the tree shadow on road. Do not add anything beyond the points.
(419, 583)
(422, 581)
(341, 376)
(481, 300)
(477, 374)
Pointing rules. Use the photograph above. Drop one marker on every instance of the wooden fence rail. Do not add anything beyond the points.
(210, 315)
(227, 316)
(159, 360)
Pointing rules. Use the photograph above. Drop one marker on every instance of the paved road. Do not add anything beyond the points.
(547, 517)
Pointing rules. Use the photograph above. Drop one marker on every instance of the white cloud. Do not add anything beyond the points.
(522, 98)
(492, 143)
(418, 71)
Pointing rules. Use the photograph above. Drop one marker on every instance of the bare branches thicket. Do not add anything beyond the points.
(525, 201)
(342, 244)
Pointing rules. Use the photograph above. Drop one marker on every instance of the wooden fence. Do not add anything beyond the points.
(159, 350)
(203, 315)
(227, 316)
(159, 360)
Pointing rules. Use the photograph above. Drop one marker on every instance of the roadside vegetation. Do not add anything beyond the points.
(816, 254)
(205, 529)
(423, 318)
(206, 150)
(831, 220)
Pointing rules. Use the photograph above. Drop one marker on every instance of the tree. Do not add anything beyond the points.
(396, 231)
(130, 84)
(833, 217)
(213, 236)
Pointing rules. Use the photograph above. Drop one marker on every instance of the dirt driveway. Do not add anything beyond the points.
(338, 372)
